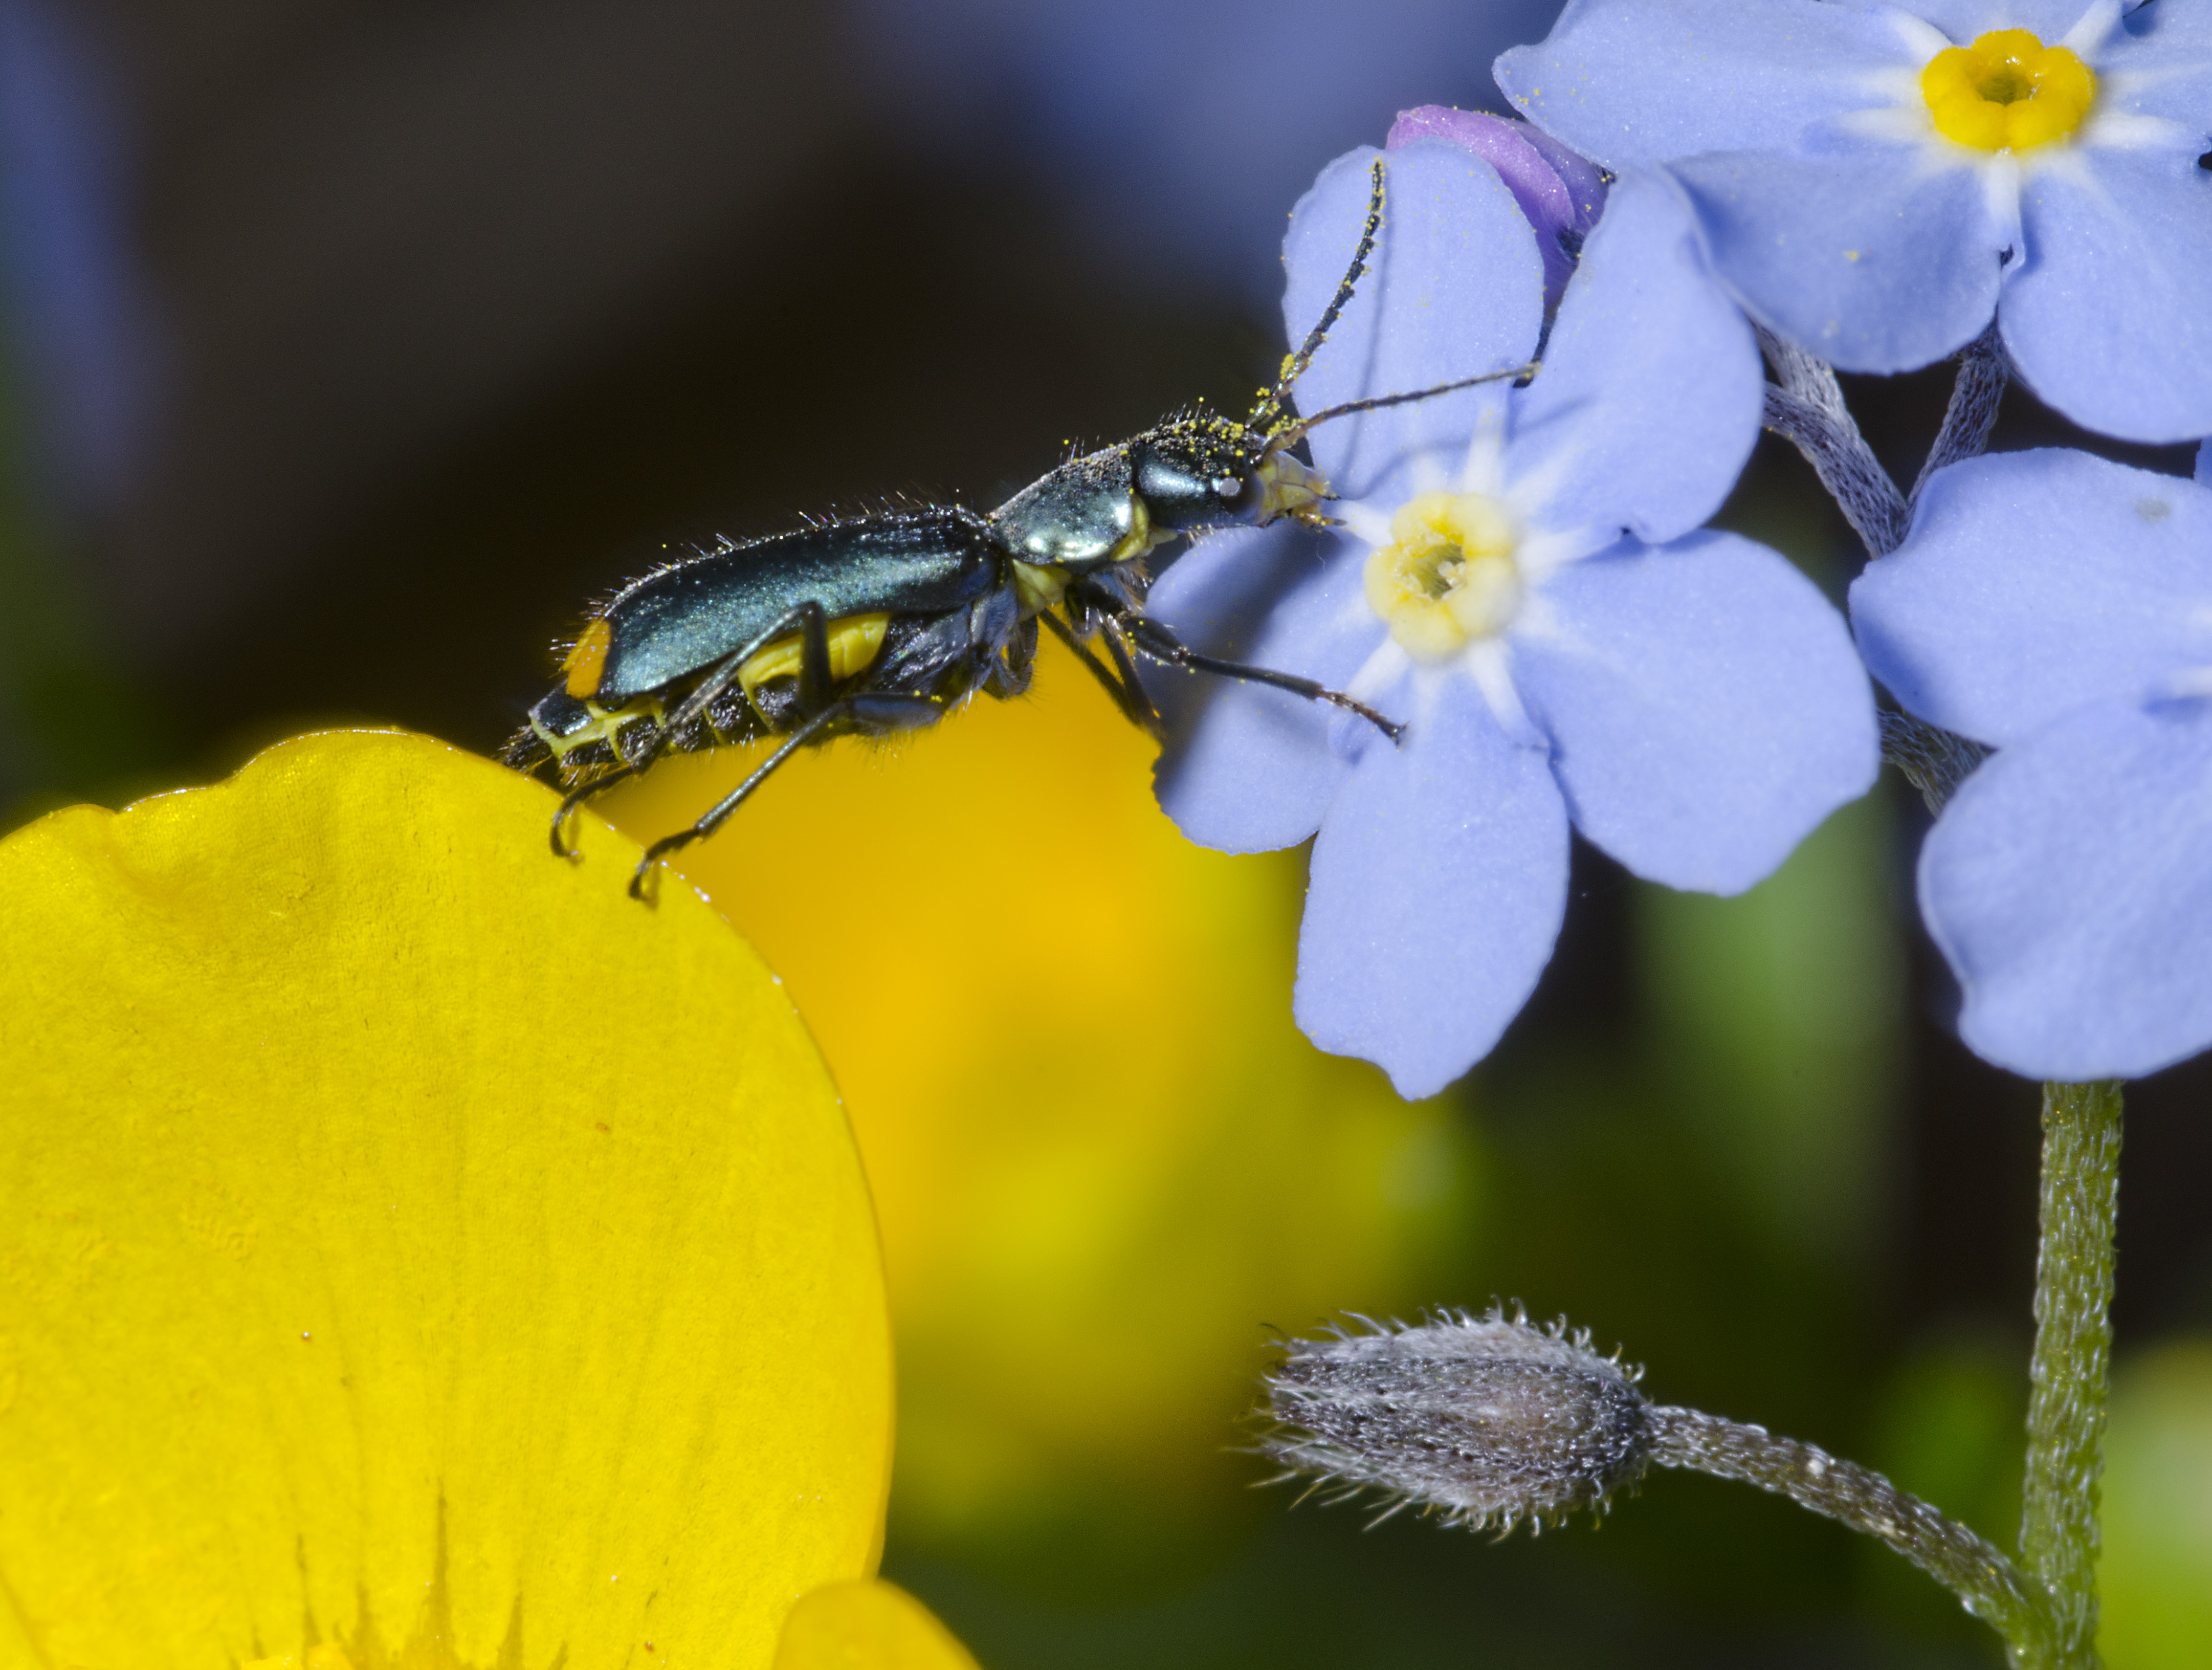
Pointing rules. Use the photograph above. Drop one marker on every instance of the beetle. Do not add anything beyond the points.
(887, 622)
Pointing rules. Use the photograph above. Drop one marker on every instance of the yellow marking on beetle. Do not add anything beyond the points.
(607, 723)
(1039, 588)
(1141, 537)
(855, 642)
(588, 660)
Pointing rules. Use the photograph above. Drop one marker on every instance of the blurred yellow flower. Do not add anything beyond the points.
(1103, 1156)
(877, 1625)
(412, 1253)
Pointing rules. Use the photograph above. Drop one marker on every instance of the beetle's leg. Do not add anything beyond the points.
(885, 706)
(814, 679)
(736, 798)
(576, 798)
(1011, 672)
(813, 628)
(1154, 640)
(1104, 674)
(1140, 704)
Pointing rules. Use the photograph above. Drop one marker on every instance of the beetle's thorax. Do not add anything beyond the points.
(1086, 514)
(1113, 506)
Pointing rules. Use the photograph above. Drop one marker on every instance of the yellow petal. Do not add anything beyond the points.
(412, 1251)
(867, 1626)
(1102, 1154)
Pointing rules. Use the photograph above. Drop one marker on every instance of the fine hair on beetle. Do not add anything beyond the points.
(887, 621)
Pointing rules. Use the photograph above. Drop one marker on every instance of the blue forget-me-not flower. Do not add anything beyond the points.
(1875, 181)
(2059, 607)
(1520, 580)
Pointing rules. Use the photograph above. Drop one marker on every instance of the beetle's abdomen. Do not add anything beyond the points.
(678, 622)
(855, 642)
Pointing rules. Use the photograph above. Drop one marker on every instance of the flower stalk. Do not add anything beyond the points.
(1972, 415)
(1489, 1422)
(1805, 406)
(2059, 1537)
(1988, 1585)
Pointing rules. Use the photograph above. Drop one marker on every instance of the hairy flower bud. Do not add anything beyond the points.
(1489, 1421)
(1482, 1418)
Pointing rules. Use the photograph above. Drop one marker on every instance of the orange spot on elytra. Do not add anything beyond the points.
(588, 660)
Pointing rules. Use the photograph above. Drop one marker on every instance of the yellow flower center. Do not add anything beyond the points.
(2006, 92)
(1448, 575)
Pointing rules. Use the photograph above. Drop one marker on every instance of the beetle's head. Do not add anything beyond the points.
(1203, 471)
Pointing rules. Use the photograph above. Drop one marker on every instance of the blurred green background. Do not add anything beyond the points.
(350, 348)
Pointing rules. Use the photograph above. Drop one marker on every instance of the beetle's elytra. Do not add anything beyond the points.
(887, 622)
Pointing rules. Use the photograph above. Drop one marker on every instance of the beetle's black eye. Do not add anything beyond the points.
(1227, 488)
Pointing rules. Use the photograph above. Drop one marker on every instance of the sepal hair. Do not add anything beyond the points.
(1483, 1420)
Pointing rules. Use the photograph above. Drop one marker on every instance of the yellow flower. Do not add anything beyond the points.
(413, 1254)
(1103, 1155)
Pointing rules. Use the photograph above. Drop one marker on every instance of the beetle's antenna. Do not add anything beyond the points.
(1290, 434)
(1269, 411)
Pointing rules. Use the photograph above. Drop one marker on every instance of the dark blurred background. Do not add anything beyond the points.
(350, 348)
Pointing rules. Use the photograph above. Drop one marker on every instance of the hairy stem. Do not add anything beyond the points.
(1933, 761)
(1805, 406)
(1987, 1584)
(1972, 415)
(2058, 1532)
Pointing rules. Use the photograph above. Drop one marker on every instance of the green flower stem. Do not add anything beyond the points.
(2058, 1533)
(1987, 1584)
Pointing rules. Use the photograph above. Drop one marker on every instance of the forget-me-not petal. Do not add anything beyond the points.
(2163, 54)
(1455, 290)
(2136, 230)
(1704, 707)
(1873, 219)
(1810, 243)
(1439, 883)
(2069, 886)
(1962, 20)
(2060, 606)
(1651, 319)
(1631, 82)
(2033, 583)
(1259, 773)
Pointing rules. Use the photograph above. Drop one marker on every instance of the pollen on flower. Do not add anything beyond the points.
(2008, 91)
(1448, 575)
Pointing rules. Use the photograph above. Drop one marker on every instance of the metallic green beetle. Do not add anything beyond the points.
(888, 621)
